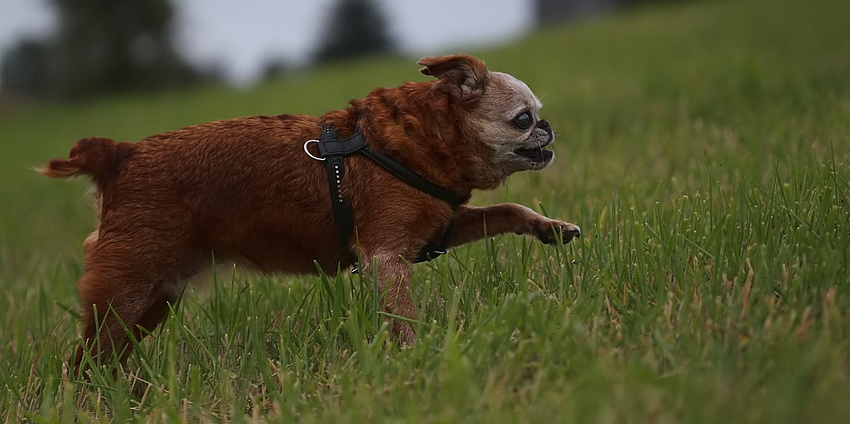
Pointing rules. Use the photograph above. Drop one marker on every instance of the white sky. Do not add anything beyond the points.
(241, 36)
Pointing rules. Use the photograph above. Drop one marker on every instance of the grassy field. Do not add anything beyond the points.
(702, 146)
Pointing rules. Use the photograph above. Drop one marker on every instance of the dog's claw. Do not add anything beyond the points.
(550, 233)
(572, 231)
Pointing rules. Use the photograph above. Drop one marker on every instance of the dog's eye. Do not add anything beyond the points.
(524, 120)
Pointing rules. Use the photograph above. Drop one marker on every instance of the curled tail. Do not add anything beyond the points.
(92, 156)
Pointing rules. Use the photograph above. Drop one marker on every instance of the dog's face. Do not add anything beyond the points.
(501, 112)
(509, 121)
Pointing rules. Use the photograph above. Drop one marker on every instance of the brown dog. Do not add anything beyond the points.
(254, 191)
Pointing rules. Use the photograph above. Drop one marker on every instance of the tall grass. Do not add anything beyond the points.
(702, 147)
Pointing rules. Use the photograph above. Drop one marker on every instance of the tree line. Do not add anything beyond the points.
(104, 46)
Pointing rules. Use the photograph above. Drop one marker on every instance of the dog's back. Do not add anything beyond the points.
(236, 187)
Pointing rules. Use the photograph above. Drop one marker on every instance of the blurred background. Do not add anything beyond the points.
(77, 49)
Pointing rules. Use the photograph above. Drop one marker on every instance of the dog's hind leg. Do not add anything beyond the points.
(124, 293)
(109, 314)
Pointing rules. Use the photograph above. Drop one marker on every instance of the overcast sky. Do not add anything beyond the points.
(241, 36)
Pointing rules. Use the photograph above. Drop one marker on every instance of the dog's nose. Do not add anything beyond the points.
(544, 125)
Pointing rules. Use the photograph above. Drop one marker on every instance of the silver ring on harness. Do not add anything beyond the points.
(307, 151)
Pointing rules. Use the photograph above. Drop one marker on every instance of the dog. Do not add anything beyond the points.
(259, 191)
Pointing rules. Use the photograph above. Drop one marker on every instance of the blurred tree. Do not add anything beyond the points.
(25, 68)
(355, 28)
(100, 46)
(276, 68)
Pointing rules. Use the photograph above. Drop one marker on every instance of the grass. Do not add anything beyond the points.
(702, 147)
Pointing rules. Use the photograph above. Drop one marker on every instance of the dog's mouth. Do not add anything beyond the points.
(538, 157)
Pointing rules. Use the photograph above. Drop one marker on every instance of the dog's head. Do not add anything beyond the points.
(500, 112)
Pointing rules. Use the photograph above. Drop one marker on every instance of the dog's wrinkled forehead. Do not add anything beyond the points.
(511, 95)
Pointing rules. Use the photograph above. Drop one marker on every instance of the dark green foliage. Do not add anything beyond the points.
(25, 68)
(101, 46)
(355, 28)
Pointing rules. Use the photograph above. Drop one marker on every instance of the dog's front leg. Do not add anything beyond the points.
(474, 223)
(393, 280)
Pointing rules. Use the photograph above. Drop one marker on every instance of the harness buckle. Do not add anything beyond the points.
(307, 151)
(433, 254)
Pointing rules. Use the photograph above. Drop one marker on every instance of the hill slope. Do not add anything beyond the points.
(702, 146)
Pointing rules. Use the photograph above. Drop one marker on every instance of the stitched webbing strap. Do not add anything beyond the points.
(334, 152)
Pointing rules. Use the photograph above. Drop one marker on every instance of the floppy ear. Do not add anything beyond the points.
(460, 75)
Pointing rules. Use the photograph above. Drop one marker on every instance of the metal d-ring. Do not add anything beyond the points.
(307, 151)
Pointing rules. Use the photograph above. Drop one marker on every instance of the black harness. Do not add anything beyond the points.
(333, 152)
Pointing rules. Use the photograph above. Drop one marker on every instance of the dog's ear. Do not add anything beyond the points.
(460, 75)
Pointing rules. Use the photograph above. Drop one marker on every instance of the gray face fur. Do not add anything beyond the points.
(515, 146)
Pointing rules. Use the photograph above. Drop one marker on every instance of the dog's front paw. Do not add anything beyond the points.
(551, 231)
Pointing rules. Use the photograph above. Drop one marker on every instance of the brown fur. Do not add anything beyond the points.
(243, 190)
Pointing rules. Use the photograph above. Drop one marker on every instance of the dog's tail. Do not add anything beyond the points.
(92, 156)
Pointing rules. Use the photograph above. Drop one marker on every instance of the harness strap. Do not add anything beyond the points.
(333, 152)
(405, 174)
(335, 167)
(433, 251)
(331, 145)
